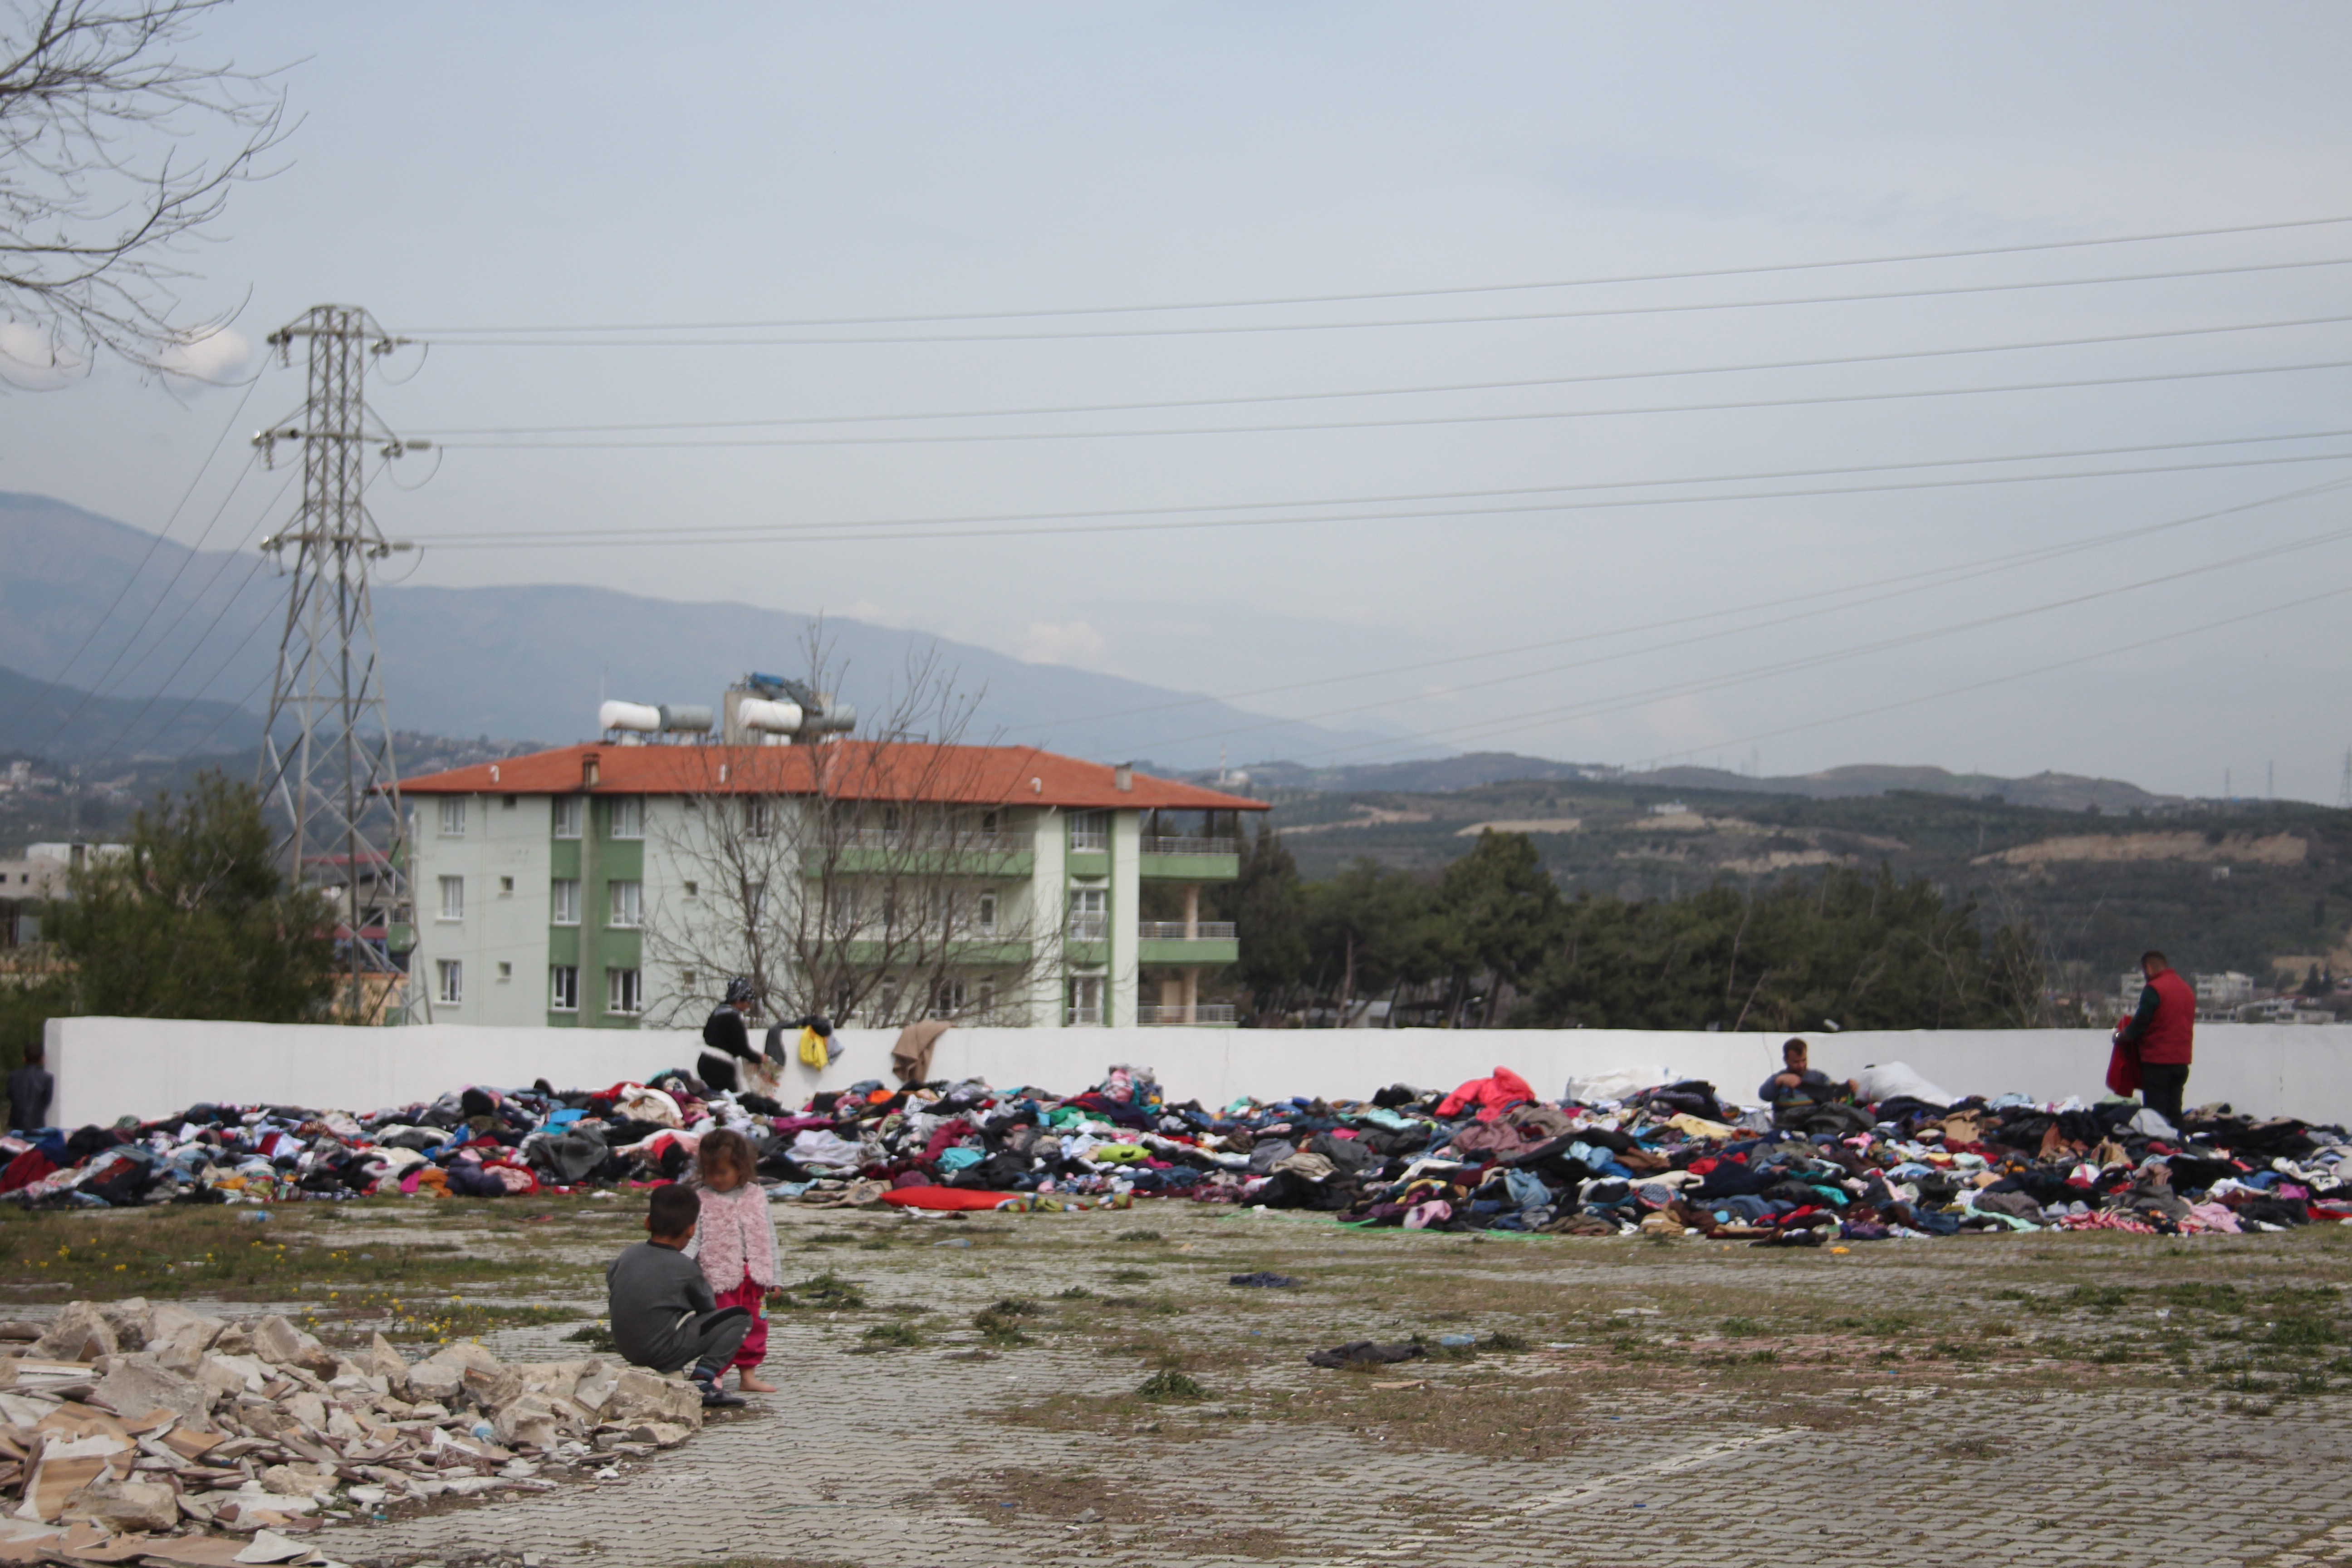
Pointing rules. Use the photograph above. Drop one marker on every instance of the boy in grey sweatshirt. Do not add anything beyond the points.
(664, 1316)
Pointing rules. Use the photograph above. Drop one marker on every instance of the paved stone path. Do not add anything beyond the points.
(902, 1460)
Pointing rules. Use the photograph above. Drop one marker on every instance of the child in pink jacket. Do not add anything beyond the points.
(736, 1242)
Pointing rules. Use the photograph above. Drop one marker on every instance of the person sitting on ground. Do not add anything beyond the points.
(664, 1316)
(726, 1032)
(1798, 1084)
(29, 1088)
(735, 1242)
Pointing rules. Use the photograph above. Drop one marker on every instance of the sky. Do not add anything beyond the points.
(473, 174)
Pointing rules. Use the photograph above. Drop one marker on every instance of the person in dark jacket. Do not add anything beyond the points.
(1800, 1083)
(726, 1035)
(29, 1088)
(2160, 1033)
(664, 1316)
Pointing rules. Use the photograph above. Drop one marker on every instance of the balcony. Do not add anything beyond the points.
(918, 851)
(1158, 845)
(1177, 930)
(1193, 857)
(1090, 927)
(1084, 1017)
(931, 840)
(1209, 1014)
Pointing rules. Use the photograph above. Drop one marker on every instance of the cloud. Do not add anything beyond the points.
(29, 359)
(209, 356)
(1074, 642)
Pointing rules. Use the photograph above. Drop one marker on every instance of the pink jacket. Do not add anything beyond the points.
(736, 1238)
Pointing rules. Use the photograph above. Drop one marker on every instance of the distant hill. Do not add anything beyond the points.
(1465, 771)
(2216, 886)
(2059, 791)
(503, 661)
(65, 724)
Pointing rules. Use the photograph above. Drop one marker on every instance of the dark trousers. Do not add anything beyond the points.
(2161, 1086)
(709, 1343)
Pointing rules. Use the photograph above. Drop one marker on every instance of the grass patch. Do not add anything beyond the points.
(1074, 1293)
(1167, 1386)
(174, 1251)
(828, 1291)
(1131, 1277)
(595, 1336)
(1139, 1234)
(457, 1319)
(896, 1336)
(1000, 1325)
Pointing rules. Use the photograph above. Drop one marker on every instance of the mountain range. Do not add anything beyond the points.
(89, 604)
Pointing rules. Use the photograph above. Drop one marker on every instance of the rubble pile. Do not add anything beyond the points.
(144, 1421)
(1632, 1151)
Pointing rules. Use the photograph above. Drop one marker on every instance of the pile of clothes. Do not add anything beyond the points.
(1630, 1150)
(134, 1431)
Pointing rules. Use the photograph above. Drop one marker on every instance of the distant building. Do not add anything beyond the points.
(40, 875)
(536, 879)
(2225, 990)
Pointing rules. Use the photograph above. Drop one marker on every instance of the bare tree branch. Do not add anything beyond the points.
(112, 160)
(879, 878)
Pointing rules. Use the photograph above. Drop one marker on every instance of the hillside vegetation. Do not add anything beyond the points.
(2216, 887)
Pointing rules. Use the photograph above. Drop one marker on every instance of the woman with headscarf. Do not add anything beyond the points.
(726, 1035)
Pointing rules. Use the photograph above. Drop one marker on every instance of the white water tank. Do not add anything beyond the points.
(639, 716)
(769, 718)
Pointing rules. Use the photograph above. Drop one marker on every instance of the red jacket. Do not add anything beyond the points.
(2164, 1039)
(1490, 1096)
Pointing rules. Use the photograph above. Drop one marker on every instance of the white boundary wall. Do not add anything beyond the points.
(110, 1067)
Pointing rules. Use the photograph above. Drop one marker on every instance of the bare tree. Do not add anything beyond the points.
(874, 879)
(100, 190)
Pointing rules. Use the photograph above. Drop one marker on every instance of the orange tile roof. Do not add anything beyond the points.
(857, 770)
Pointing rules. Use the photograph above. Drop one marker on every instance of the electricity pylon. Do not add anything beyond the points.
(326, 751)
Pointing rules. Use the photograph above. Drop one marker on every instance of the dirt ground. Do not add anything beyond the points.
(1089, 1386)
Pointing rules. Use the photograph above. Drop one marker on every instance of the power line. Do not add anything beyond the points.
(1994, 680)
(967, 437)
(99, 687)
(869, 537)
(1934, 577)
(1684, 689)
(1242, 329)
(153, 544)
(1435, 389)
(1395, 498)
(1749, 271)
(223, 668)
(186, 659)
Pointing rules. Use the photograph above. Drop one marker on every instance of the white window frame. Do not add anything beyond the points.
(1087, 996)
(563, 901)
(566, 812)
(628, 818)
(449, 982)
(985, 912)
(1089, 914)
(624, 992)
(453, 899)
(624, 903)
(948, 996)
(453, 816)
(758, 817)
(564, 988)
(1091, 830)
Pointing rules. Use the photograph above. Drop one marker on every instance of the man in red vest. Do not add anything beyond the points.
(2159, 1034)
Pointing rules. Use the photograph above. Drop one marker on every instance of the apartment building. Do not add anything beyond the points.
(601, 886)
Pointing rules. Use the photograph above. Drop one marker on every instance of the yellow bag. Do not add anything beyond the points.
(813, 1050)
